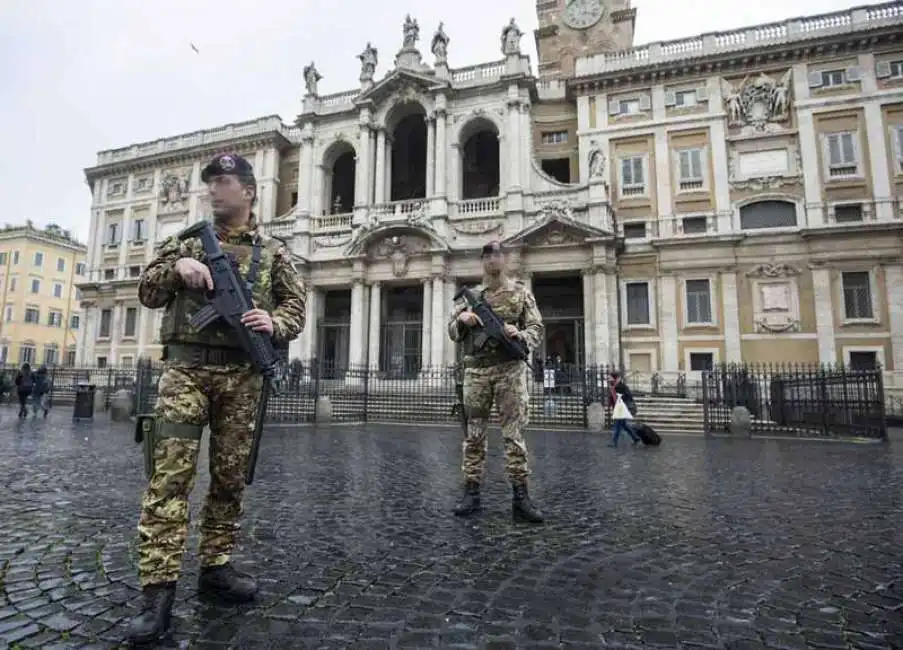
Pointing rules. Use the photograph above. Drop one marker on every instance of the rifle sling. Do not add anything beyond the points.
(254, 268)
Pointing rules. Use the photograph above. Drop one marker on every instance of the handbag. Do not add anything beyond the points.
(620, 411)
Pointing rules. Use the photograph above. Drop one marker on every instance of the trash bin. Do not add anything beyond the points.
(84, 402)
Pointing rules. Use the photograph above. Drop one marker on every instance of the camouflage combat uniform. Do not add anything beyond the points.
(491, 377)
(221, 390)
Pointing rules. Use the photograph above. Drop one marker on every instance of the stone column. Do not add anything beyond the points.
(450, 356)
(380, 190)
(601, 318)
(441, 148)
(356, 334)
(306, 172)
(878, 166)
(512, 138)
(893, 280)
(318, 200)
(430, 156)
(387, 190)
(308, 338)
(814, 214)
(437, 333)
(425, 340)
(824, 315)
(454, 173)
(589, 353)
(375, 313)
(667, 327)
(362, 182)
(115, 332)
(730, 305)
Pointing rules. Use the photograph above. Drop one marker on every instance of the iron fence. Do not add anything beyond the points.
(806, 400)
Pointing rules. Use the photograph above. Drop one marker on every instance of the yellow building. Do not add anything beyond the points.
(39, 271)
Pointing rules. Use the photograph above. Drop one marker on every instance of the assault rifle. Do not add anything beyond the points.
(229, 300)
(493, 330)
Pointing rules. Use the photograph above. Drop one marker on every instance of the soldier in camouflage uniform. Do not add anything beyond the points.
(490, 376)
(208, 380)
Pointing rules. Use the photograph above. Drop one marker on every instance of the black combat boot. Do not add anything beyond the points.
(522, 507)
(470, 502)
(156, 612)
(225, 583)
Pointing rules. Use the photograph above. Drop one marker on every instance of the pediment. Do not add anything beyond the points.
(401, 81)
(556, 229)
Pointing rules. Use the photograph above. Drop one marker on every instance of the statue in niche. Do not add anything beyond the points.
(596, 160)
(369, 59)
(511, 35)
(174, 189)
(411, 32)
(439, 45)
(311, 79)
(757, 105)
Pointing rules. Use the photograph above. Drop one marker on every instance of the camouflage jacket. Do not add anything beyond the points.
(515, 304)
(277, 288)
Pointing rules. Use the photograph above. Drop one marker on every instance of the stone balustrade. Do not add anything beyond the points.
(757, 36)
(484, 207)
(330, 223)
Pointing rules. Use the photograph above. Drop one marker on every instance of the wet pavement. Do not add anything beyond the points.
(699, 544)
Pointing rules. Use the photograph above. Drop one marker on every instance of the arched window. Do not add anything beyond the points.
(768, 214)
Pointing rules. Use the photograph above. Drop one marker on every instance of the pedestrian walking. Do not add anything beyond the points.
(40, 392)
(623, 409)
(24, 388)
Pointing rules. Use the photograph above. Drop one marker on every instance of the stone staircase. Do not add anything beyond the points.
(671, 414)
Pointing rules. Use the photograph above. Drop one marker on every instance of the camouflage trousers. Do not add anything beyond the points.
(188, 398)
(506, 385)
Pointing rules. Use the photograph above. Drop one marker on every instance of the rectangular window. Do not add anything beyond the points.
(112, 234)
(863, 360)
(57, 290)
(857, 295)
(685, 98)
(15, 257)
(134, 271)
(138, 231)
(629, 106)
(690, 169)
(849, 213)
(60, 265)
(841, 154)
(74, 321)
(4, 258)
(101, 362)
(12, 284)
(80, 268)
(633, 177)
(127, 362)
(36, 286)
(694, 225)
(8, 316)
(39, 258)
(32, 315)
(131, 322)
(51, 355)
(701, 361)
(699, 302)
(26, 354)
(554, 137)
(638, 303)
(55, 319)
(70, 357)
(635, 230)
(106, 322)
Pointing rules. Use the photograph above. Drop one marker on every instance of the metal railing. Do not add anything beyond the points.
(795, 399)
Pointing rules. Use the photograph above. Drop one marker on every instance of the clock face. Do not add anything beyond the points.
(580, 14)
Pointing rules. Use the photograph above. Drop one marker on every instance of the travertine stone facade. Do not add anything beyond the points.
(668, 216)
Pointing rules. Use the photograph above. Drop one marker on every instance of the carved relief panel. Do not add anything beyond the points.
(776, 304)
(174, 190)
(398, 249)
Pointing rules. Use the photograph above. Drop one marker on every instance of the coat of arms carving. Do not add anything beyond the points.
(757, 104)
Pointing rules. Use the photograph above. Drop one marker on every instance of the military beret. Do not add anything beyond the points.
(492, 247)
(226, 164)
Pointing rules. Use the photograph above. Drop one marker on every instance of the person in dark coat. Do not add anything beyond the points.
(40, 391)
(618, 387)
(24, 386)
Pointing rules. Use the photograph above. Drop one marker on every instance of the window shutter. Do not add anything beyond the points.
(815, 80)
(832, 145)
(852, 74)
(848, 146)
(626, 169)
(684, 163)
(614, 107)
(702, 94)
(882, 69)
(639, 177)
(670, 99)
(645, 103)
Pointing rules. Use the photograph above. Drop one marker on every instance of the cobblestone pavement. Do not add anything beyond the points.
(700, 544)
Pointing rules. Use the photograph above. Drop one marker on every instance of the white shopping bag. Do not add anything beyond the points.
(620, 411)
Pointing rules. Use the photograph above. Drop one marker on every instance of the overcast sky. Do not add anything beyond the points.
(80, 76)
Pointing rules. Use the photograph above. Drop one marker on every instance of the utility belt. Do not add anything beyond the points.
(485, 362)
(203, 355)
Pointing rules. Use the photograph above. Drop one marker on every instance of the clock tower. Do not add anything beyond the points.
(569, 29)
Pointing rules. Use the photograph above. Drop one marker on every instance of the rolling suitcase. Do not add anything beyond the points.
(647, 434)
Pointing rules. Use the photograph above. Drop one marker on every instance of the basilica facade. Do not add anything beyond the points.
(728, 197)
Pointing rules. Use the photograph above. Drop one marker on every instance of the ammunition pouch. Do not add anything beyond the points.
(202, 355)
(148, 431)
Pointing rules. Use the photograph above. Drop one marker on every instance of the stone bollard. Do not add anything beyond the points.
(121, 406)
(595, 416)
(323, 413)
(741, 421)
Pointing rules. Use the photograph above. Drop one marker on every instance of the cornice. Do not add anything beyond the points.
(188, 154)
(70, 245)
(738, 61)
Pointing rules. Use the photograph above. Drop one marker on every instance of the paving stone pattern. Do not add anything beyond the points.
(700, 543)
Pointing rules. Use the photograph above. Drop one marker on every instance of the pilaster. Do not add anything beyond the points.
(437, 333)
(601, 318)
(667, 294)
(824, 315)
(375, 313)
(356, 333)
(441, 180)
(662, 173)
(450, 288)
(512, 138)
(380, 189)
(720, 181)
(589, 351)
(878, 165)
(426, 343)
(893, 280)
(811, 173)
(731, 308)
(431, 155)
(306, 172)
